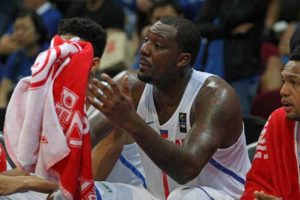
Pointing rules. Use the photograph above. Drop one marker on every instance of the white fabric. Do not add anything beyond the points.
(25, 196)
(234, 158)
(117, 191)
(122, 173)
(203, 193)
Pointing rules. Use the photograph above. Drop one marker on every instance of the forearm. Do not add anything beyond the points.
(15, 172)
(37, 184)
(106, 153)
(99, 128)
(272, 13)
(178, 162)
(13, 184)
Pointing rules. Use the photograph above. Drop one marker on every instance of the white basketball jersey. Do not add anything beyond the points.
(227, 168)
(128, 169)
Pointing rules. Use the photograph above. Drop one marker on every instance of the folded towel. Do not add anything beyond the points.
(46, 128)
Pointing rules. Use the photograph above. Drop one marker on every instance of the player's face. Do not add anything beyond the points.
(159, 53)
(290, 90)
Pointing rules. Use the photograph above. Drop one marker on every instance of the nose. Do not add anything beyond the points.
(145, 48)
(284, 91)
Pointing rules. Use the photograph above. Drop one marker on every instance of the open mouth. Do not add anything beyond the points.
(287, 105)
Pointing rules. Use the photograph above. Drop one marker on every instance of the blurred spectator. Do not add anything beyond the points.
(129, 9)
(50, 16)
(107, 13)
(271, 78)
(30, 34)
(239, 24)
(268, 98)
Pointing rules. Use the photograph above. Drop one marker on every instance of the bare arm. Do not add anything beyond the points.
(106, 153)
(17, 180)
(206, 135)
(15, 172)
(100, 127)
(13, 184)
(272, 15)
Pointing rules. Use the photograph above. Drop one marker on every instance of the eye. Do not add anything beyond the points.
(294, 83)
(157, 46)
(146, 39)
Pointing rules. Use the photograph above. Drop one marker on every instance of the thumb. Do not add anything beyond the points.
(125, 86)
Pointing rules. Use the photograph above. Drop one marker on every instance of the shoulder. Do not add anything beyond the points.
(220, 110)
(217, 95)
(216, 87)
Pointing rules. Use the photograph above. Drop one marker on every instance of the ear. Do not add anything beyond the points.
(96, 65)
(184, 59)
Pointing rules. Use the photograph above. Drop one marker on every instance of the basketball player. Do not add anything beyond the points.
(188, 124)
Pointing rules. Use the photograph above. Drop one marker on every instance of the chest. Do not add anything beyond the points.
(165, 112)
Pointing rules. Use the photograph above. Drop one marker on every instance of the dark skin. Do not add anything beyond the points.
(166, 67)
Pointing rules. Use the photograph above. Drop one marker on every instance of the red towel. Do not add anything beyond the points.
(46, 128)
(275, 169)
(2, 159)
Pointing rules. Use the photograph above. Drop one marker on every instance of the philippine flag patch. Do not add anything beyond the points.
(164, 133)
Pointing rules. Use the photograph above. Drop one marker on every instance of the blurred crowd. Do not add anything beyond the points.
(246, 42)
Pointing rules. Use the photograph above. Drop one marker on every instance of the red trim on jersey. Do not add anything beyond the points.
(166, 185)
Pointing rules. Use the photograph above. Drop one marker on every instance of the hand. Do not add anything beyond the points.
(242, 29)
(113, 101)
(263, 196)
(9, 185)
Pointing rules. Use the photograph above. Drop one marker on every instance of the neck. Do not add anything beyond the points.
(173, 91)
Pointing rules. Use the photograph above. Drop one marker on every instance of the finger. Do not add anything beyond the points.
(111, 83)
(97, 104)
(257, 195)
(125, 86)
(102, 87)
(99, 97)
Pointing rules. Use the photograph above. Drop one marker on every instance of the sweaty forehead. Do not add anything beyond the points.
(163, 30)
